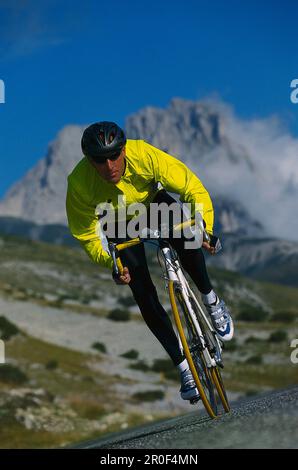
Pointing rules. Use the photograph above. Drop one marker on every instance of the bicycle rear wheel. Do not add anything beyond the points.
(193, 351)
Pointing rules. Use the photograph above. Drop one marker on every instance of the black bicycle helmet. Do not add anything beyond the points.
(102, 140)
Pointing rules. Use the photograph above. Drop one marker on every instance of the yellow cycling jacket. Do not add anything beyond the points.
(145, 167)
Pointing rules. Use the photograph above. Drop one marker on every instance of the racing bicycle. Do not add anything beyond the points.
(196, 335)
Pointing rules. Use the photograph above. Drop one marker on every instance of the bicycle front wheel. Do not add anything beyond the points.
(192, 349)
(214, 371)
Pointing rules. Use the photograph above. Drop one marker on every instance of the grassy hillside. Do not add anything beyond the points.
(51, 394)
(64, 275)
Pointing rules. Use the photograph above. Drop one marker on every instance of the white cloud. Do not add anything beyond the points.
(269, 189)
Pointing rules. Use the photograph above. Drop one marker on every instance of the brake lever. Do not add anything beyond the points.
(213, 241)
(112, 250)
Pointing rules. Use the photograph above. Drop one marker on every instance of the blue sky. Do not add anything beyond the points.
(77, 62)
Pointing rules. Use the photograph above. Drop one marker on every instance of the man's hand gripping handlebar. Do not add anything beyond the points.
(120, 274)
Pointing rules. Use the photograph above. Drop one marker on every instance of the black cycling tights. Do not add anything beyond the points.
(145, 293)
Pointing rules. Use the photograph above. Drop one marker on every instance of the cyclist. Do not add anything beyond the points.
(113, 166)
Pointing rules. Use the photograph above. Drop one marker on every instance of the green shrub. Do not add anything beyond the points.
(127, 301)
(166, 367)
(88, 378)
(231, 345)
(12, 374)
(99, 347)
(172, 374)
(117, 314)
(62, 298)
(252, 314)
(149, 395)
(131, 354)
(140, 365)
(284, 316)
(162, 365)
(256, 360)
(52, 364)
(253, 339)
(7, 329)
(278, 336)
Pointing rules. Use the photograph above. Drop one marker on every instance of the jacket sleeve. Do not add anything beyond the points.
(85, 227)
(176, 177)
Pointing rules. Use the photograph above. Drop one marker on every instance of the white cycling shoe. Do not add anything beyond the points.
(188, 390)
(221, 320)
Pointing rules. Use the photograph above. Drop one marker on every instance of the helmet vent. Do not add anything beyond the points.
(111, 138)
(102, 137)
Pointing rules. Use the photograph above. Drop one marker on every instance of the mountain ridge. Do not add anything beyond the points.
(237, 161)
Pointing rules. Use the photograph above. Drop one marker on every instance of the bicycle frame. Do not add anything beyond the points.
(175, 274)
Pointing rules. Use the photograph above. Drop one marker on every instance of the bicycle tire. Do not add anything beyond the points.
(205, 386)
(219, 385)
(214, 371)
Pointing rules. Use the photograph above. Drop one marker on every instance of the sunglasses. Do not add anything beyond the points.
(102, 160)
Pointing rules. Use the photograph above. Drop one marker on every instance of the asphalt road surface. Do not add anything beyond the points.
(265, 421)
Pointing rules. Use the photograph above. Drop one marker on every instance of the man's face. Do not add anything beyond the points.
(111, 170)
